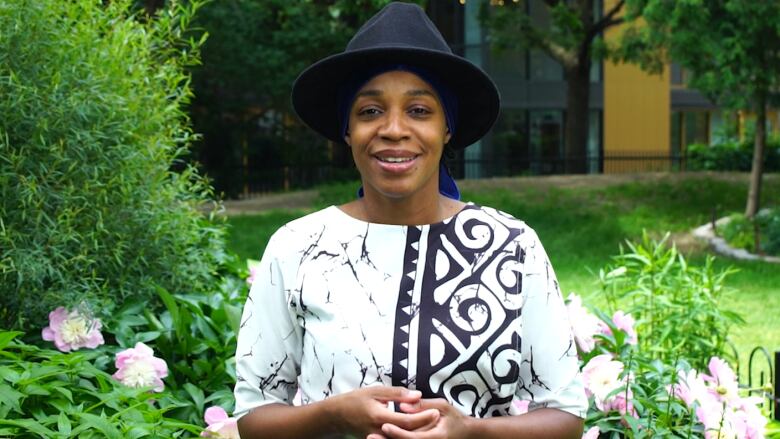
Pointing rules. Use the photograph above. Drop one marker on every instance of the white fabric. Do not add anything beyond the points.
(467, 309)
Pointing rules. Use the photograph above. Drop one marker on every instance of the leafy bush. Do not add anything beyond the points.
(740, 232)
(769, 227)
(731, 154)
(660, 375)
(196, 335)
(44, 393)
(676, 305)
(92, 125)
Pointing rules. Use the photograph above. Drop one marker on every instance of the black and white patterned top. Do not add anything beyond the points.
(467, 309)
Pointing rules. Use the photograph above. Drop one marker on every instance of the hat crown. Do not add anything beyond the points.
(399, 25)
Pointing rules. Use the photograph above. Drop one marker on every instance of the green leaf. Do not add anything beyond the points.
(7, 336)
(29, 425)
(10, 397)
(196, 394)
(63, 424)
(101, 424)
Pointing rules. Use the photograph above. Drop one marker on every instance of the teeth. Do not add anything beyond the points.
(395, 159)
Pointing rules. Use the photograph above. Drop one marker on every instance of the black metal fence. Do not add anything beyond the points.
(260, 178)
(763, 377)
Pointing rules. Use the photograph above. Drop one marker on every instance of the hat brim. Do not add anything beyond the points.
(315, 92)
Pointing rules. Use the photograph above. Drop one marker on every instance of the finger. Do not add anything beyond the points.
(398, 394)
(376, 436)
(425, 404)
(394, 432)
(411, 422)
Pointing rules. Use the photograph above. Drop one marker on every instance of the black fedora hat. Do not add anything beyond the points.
(400, 33)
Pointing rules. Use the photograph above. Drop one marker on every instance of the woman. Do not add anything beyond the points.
(405, 313)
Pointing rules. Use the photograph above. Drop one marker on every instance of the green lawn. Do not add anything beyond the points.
(583, 226)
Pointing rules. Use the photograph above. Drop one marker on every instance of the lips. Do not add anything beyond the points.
(395, 161)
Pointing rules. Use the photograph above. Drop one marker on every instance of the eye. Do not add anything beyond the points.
(419, 111)
(369, 112)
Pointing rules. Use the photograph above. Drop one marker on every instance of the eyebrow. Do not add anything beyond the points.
(415, 92)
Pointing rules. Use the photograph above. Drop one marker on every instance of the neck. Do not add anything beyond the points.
(422, 208)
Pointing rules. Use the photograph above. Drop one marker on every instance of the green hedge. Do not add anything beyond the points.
(732, 155)
(91, 126)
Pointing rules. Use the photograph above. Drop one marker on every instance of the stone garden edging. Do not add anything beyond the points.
(720, 246)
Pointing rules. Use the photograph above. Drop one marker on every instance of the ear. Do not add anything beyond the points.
(347, 139)
(447, 137)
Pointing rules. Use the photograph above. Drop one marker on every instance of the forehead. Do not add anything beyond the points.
(397, 79)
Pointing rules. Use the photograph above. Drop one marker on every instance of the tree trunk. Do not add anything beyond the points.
(757, 170)
(577, 118)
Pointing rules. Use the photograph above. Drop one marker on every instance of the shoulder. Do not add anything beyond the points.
(301, 232)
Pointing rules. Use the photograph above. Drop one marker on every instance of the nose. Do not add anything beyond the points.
(394, 126)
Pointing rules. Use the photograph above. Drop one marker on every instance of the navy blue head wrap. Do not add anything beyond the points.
(449, 103)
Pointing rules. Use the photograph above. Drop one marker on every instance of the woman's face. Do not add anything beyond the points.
(397, 132)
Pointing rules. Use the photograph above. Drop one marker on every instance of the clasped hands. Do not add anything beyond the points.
(365, 413)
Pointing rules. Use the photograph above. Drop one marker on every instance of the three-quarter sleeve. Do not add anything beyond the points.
(269, 350)
(549, 373)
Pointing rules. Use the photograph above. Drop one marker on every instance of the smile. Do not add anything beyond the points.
(395, 159)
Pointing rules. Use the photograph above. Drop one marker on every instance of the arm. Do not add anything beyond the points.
(268, 362)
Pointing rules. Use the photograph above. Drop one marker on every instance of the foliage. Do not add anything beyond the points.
(769, 226)
(44, 393)
(92, 126)
(255, 51)
(740, 231)
(730, 48)
(196, 335)
(677, 306)
(570, 33)
(731, 155)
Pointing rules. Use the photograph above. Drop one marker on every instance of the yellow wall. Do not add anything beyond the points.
(636, 115)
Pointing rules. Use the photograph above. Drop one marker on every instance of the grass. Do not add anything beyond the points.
(582, 227)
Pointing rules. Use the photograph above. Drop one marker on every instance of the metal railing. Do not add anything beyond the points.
(253, 179)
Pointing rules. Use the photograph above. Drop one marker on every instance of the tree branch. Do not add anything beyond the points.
(608, 20)
(567, 58)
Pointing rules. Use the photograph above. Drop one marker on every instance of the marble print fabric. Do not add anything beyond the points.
(467, 309)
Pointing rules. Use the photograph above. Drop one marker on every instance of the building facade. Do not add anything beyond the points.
(637, 121)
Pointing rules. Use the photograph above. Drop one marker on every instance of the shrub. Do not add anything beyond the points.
(196, 335)
(676, 305)
(769, 226)
(44, 393)
(730, 154)
(92, 125)
(740, 232)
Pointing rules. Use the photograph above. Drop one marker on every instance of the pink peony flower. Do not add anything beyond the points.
(747, 419)
(690, 387)
(624, 322)
(584, 325)
(254, 268)
(724, 380)
(72, 331)
(719, 407)
(138, 367)
(592, 433)
(219, 425)
(621, 403)
(601, 376)
(521, 406)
